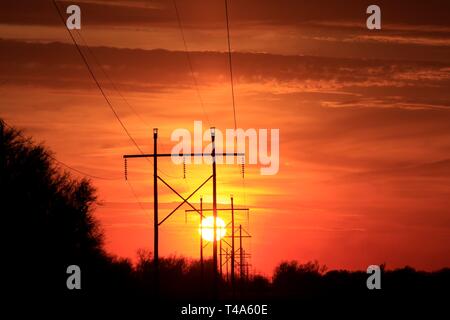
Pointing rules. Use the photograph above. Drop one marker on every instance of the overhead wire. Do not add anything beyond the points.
(82, 172)
(103, 93)
(109, 79)
(71, 168)
(136, 196)
(189, 64)
(232, 93)
(230, 64)
(189, 60)
(192, 73)
(92, 74)
(95, 79)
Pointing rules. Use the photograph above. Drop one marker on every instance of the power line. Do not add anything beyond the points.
(136, 196)
(230, 64)
(95, 79)
(109, 78)
(186, 50)
(232, 87)
(96, 61)
(191, 69)
(100, 87)
(81, 172)
(62, 163)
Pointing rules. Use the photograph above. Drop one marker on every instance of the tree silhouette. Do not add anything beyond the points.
(48, 215)
(48, 224)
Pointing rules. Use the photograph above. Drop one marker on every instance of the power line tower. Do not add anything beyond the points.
(155, 155)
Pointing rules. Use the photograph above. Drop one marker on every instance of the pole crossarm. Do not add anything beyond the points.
(184, 200)
(220, 209)
(238, 237)
(151, 155)
(213, 154)
(235, 257)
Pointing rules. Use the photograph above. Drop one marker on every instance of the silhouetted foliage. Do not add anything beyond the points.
(290, 276)
(49, 215)
(49, 222)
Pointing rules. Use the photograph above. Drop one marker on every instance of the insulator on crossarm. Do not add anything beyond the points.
(126, 168)
(243, 167)
(184, 168)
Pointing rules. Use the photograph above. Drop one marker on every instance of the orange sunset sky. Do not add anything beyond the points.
(364, 119)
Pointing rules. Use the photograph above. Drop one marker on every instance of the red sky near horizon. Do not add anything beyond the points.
(364, 119)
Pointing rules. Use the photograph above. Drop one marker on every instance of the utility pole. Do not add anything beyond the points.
(231, 256)
(220, 257)
(241, 269)
(226, 263)
(213, 155)
(232, 246)
(157, 223)
(155, 210)
(201, 240)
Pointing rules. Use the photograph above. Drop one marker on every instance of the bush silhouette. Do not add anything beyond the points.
(48, 223)
(49, 215)
(292, 279)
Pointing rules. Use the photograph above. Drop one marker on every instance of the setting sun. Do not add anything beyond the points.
(207, 226)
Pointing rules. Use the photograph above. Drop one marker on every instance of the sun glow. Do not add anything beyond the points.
(206, 228)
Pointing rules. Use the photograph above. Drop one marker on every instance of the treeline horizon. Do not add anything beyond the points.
(51, 225)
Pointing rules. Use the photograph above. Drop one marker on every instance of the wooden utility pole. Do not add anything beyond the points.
(220, 258)
(226, 263)
(241, 258)
(155, 208)
(201, 240)
(231, 256)
(213, 155)
(157, 223)
(232, 246)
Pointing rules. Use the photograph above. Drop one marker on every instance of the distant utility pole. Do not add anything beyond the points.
(220, 257)
(241, 259)
(232, 244)
(155, 209)
(233, 236)
(156, 222)
(202, 271)
(240, 233)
